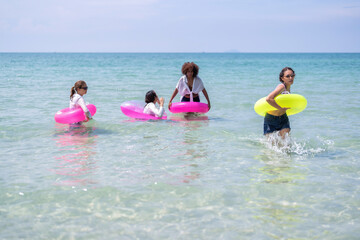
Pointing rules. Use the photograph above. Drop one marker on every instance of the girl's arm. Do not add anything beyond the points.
(172, 97)
(271, 98)
(157, 112)
(82, 104)
(207, 97)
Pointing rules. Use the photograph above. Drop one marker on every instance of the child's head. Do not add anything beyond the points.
(80, 87)
(150, 96)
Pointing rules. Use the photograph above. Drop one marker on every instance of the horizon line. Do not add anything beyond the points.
(235, 52)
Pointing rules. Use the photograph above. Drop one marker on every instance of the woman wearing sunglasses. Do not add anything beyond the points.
(277, 120)
(76, 97)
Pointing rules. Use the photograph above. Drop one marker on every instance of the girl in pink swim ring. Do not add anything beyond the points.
(76, 98)
(78, 111)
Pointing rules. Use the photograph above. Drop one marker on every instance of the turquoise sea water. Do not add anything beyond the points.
(215, 178)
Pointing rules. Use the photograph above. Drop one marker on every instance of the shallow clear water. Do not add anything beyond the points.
(215, 178)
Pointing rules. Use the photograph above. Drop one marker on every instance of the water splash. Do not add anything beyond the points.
(291, 145)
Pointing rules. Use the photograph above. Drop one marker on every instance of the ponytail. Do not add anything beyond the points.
(72, 92)
(78, 84)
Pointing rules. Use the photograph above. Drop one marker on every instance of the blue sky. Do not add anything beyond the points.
(179, 26)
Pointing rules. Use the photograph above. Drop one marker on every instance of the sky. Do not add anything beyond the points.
(179, 25)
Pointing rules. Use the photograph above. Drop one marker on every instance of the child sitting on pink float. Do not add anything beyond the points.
(151, 99)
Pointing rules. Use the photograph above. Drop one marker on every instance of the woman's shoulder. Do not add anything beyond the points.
(182, 78)
(182, 81)
(198, 78)
(281, 86)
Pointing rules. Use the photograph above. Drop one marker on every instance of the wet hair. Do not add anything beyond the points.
(283, 71)
(190, 66)
(150, 96)
(77, 85)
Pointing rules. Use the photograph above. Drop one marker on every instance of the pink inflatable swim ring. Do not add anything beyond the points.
(67, 115)
(135, 108)
(193, 107)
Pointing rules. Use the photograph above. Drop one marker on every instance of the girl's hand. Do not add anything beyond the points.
(169, 105)
(209, 106)
(88, 116)
(161, 101)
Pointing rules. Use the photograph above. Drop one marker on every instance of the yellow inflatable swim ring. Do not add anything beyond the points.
(295, 102)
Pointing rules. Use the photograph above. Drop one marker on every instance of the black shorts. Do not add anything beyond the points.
(185, 99)
(275, 123)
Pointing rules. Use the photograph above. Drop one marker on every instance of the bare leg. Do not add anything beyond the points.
(283, 132)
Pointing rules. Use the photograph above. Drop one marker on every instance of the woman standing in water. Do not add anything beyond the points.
(277, 120)
(190, 85)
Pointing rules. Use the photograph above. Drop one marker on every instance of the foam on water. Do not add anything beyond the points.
(291, 145)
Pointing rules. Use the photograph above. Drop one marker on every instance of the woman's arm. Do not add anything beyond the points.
(172, 97)
(271, 99)
(207, 97)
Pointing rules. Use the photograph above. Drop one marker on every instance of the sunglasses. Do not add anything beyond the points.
(85, 88)
(289, 76)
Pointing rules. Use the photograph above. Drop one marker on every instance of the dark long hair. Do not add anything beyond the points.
(283, 71)
(150, 96)
(77, 85)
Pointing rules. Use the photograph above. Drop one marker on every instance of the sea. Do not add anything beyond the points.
(212, 176)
